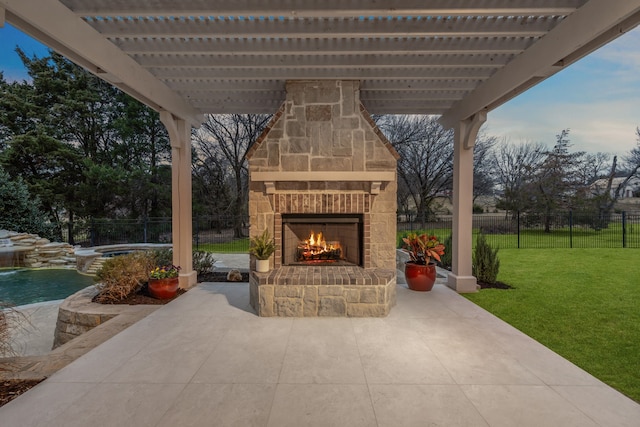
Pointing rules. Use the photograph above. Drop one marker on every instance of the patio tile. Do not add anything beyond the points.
(322, 351)
(98, 363)
(221, 405)
(423, 405)
(419, 305)
(445, 328)
(525, 406)
(42, 403)
(120, 405)
(234, 358)
(174, 356)
(550, 367)
(321, 405)
(394, 354)
(606, 406)
(211, 362)
(480, 362)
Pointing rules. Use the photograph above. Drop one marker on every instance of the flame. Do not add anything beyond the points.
(317, 245)
(317, 240)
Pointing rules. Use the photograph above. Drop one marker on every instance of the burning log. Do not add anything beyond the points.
(316, 248)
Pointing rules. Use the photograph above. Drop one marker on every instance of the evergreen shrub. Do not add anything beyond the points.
(485, 261)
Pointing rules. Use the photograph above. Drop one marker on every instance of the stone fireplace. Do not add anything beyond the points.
(323, 182)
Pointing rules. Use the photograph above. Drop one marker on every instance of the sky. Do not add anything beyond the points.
(597, 98)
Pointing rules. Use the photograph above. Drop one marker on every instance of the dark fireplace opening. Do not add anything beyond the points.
(322, 239)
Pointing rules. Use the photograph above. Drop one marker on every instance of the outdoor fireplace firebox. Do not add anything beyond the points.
(322, 239)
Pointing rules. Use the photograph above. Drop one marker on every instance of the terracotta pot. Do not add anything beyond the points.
(163, 288)
(420, 277)
(262, 265)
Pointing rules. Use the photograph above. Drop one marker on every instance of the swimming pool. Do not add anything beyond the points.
(27, 286)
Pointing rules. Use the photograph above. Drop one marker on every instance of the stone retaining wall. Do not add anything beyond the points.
(78, 314)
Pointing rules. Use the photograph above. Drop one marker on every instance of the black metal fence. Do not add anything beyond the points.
(561, 230)
(223, 234)
(219, 233)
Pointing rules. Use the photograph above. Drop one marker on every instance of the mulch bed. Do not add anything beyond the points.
(143, 297)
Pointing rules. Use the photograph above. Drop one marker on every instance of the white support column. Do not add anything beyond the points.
(181, 214)
(461, 278)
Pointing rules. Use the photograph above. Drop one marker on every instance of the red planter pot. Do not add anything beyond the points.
(163, 288)
(420, 277)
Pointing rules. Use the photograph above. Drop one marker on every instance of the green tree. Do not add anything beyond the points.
(83, 147)
(555, 182)
(20, 211)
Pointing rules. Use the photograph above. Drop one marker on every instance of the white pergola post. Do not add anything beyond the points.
(461, 278)
(180, 136)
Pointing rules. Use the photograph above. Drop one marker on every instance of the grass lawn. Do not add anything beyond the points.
(236, 246)
(584, 304)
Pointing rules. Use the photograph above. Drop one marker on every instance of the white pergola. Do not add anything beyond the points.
(455, 58)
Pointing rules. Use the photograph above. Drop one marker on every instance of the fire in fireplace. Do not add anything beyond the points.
(322, 239)
(316, 248)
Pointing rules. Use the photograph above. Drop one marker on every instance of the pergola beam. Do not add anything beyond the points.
(325, 8)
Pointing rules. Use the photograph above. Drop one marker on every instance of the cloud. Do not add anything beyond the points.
(598, 98)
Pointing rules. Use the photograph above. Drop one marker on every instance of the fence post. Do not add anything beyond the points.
(145, 222)
(571, 228)
(624, 229)
(91, 232)
(197, 227)
(518, 228)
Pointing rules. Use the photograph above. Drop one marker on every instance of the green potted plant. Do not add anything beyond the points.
(164, 282)
(420, 271)
(262, 247)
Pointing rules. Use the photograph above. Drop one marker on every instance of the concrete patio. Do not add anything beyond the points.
(206, 359)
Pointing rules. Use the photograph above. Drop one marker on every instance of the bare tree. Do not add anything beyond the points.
(593, 167)
(225, 139)
(483, 181)
(601, 199)
(425, 168)
(513, 164)
(632, 170)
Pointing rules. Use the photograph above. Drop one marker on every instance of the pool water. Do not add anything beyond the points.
(26, 286)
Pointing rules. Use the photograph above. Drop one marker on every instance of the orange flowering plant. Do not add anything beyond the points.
(164, 272)
(423, 247)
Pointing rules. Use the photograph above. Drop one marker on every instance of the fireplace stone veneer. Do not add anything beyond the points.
(322, 155)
